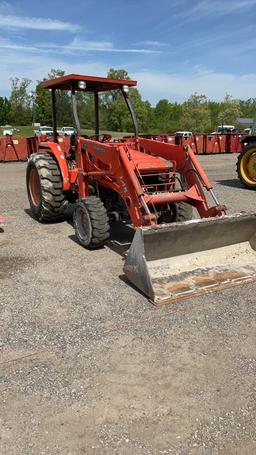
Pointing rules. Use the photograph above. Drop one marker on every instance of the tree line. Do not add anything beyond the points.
(197, 114)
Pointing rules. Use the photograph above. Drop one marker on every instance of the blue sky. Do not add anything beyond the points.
(172, 47)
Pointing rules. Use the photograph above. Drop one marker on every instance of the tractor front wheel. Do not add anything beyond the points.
(178, 211)
(246, 166)
(183, 211)
(44, 187)
(91, 222)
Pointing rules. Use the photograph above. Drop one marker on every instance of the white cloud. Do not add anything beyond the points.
(213, 8)
(6, 7)
(37, 67)
(152, 43)
(207, 7)
(175, 86)
(103, 46)
(152, 84)
(76, 45)
(6, 44)
(35, 23)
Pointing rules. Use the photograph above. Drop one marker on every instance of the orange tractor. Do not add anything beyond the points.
(150, 185)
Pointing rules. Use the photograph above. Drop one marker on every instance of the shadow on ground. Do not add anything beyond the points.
(121, 237)
(67, 217)
(234, 183)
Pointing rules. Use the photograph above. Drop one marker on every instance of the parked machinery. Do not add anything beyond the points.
(149, 184)
(246, 162)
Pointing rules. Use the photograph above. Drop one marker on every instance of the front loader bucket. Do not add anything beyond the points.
(173, 261)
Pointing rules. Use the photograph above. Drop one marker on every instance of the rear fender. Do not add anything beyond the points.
(55, 149)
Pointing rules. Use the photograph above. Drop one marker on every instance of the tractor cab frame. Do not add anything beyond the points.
(90, 84)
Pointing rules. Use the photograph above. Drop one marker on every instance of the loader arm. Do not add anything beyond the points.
(193, 174)
(110, 166)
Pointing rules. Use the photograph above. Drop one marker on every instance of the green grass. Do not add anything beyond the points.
(112, 133)
(26, 131)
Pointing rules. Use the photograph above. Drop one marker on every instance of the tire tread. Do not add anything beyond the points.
(53, 201)
(99, 222)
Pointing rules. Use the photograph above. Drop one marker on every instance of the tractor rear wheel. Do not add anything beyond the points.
(91, 222)
(246, 166)
(44, 187)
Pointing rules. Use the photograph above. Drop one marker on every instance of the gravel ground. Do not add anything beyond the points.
(89, 366)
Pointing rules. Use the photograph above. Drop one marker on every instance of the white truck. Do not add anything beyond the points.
(46, 130)
(8, 131)
(224, 129)
(66, 131)
(184, 133)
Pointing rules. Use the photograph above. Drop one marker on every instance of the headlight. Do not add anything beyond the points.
(82, 85)
(125, 88)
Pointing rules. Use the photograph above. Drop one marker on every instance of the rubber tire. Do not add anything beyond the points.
(97, 233)
(52, 200)
(184, 212)
(238, 166)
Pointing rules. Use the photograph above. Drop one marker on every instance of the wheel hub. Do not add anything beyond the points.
(34, 187)
(252, 166)
(248, 167)
(83, 222)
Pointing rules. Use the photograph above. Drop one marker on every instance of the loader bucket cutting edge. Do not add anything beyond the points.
(179, 260)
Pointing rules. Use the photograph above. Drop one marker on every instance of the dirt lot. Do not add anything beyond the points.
(89, 366)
